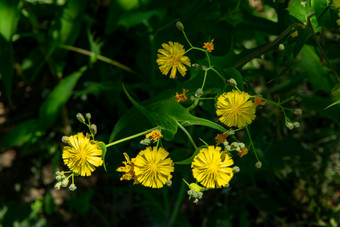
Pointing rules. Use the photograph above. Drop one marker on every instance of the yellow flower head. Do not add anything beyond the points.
(181, 97)
(82, 155)
(152, 167)
(155, 134)
(128, 169)
(172, 57)
(209, 46)
(211, 167)
(235, 109)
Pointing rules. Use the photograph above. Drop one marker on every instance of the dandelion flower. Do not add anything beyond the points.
(235, 109)
(152, 167)
(82, 155)
(209, 46)
(128, 169)
(211, 167)
(172, 57)
(181, 97)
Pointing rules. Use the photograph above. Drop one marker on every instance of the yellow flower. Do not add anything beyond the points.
(128, 168)
(181, 97)
(235, 109)
(211, 167)
(152, 167)
(209, 46)
(82, 155)
(155, 134)
(171, 56)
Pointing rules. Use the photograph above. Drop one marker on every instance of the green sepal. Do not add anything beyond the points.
(102, 146)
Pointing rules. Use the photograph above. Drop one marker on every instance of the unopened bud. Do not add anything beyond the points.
(231, 132)
(64, 183)
(80, 117)
(258, 165)
(199, 92)
(296, 124)
(59, 177)
(88, 116)
(64, 139)
(232, 82)
(72, 187)
(196, 66)
(57, 185)
(236, 169)
(281, 47)
(204, 67)
(168, 183)
(289, 125)
(146, 141)
(298, 112)
(93, 128)
(180, 26)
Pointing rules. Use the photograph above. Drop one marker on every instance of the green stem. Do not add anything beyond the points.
(265, 48)
(187, 38)
(251, 143)
(204, 79)
(100, 57)
(187, 133)
(130, 137)
(321, 50)
(177, 205)
(218, 74)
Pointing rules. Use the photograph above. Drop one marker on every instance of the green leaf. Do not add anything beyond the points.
(20, 134)
(49, 203)
(334, 103)
(325, 14)
(315, 71)
(51, 107)
(299, 10)
(336, 90)
(102, 146)
(9, 17)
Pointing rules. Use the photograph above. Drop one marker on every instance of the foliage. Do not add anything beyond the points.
(60, 58)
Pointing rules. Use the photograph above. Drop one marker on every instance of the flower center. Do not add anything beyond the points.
(82, 155)
(174, 59)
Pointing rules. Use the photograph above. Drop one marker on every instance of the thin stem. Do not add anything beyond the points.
(265, 48)
(177, 205)
(130, 137)
(251, 143)
(187, 38)
(99, 57)
(218, 74)
(204, 79)
(321, 50)
(187, 133)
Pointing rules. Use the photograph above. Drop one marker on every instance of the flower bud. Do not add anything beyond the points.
(296, 124)
(236, 169)
(88, 116)
(231, 132)
(93, 128)
(168, 183)
(57, 185)
(146, 141)
(204, 67)
(281, 47)
(72, 187)
(289, 125)
(59, 177)
(258, 165)
(297, 112)
(64, 182)
(64, 139)
(232, 82)
(199, 92)
(196, 66)
(80, 117)
(180, 26)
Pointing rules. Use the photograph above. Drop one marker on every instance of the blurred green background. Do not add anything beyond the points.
(61, 57)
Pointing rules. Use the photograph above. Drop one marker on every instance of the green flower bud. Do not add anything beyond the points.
(80, 118)
(93, 128)
(88, 116)
(72, 187)
(258, 165)
(180, 26)
(64, 183)
(57, 185)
